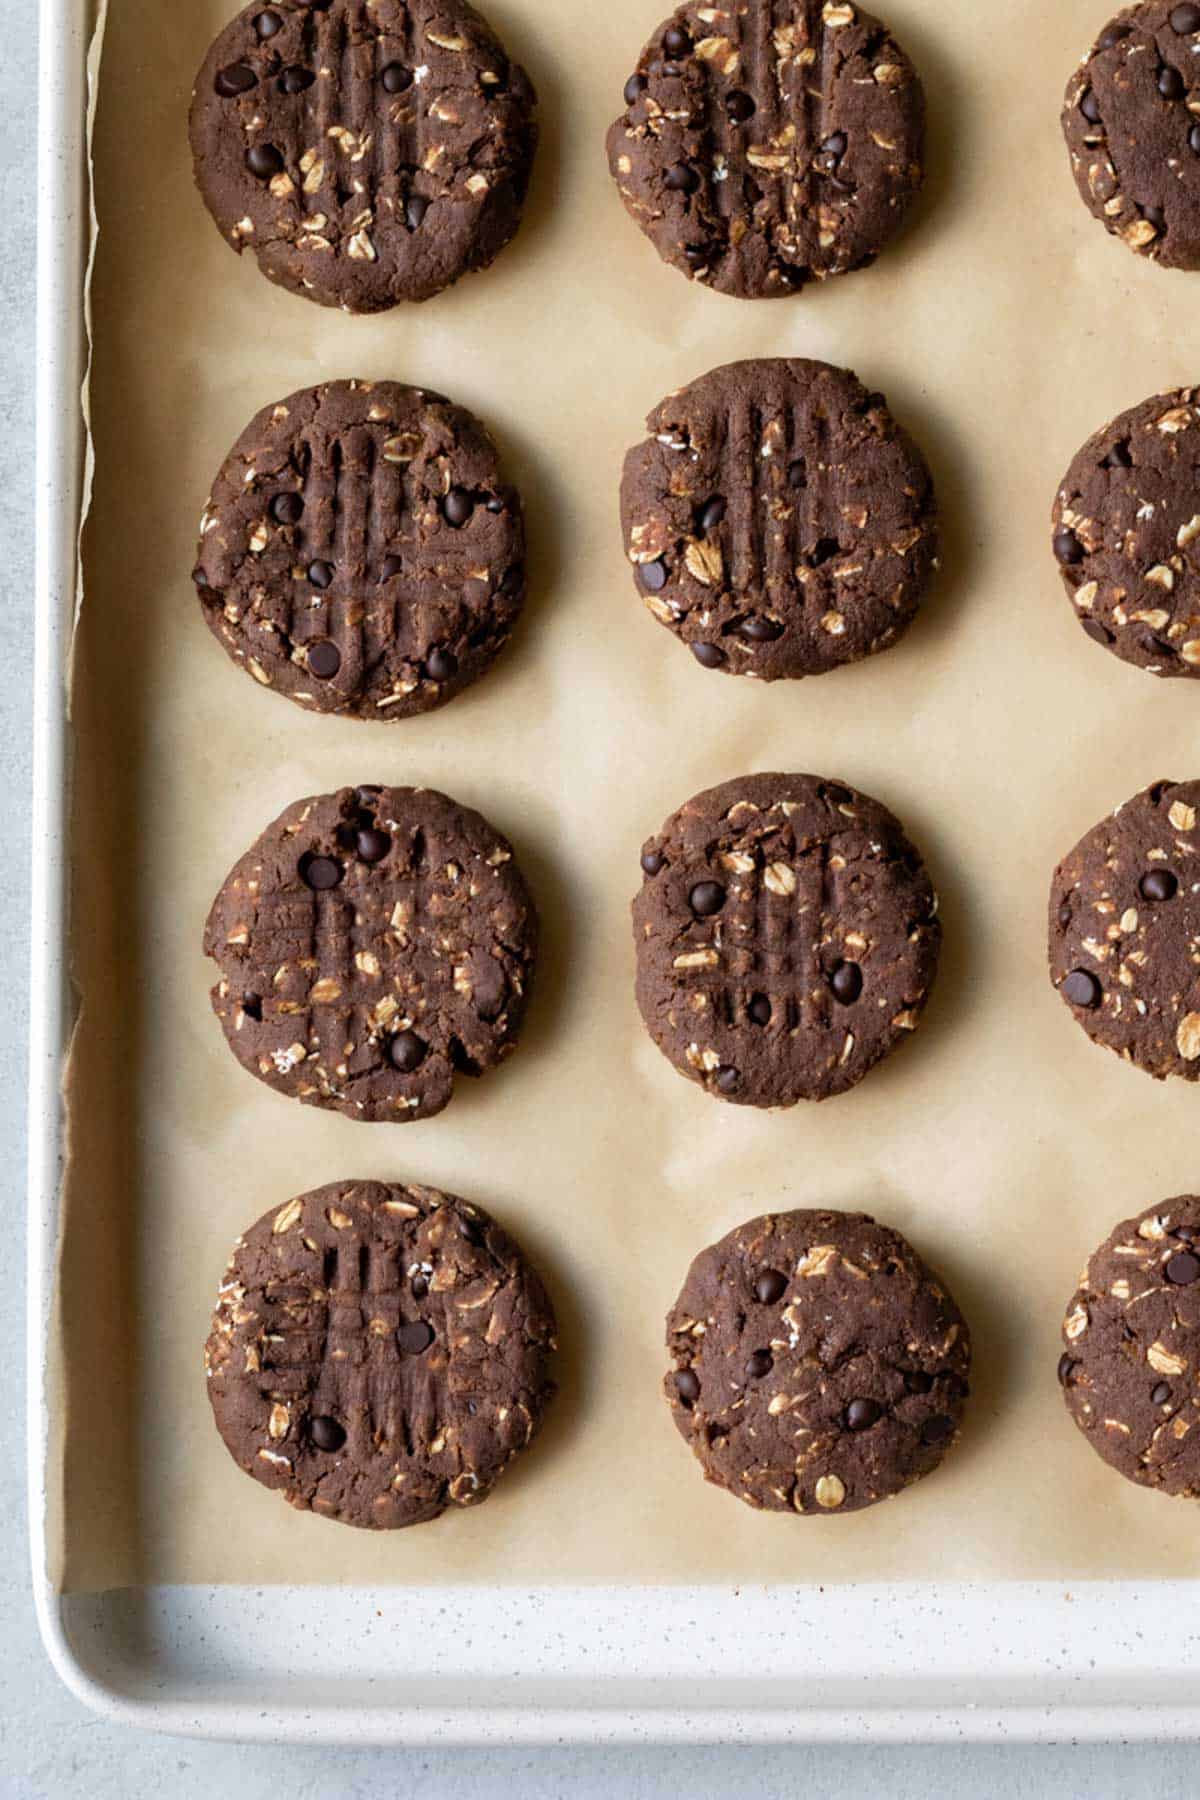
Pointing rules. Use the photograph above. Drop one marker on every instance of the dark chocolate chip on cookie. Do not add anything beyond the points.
(361, 551)
(1126, 534)
(817, 1365)
(769, 143)
(1124, 925)
(1130, 121)
(1132, 1337)
(372, 945)
(379, 1353)
(366, 151)
(778, 520)
(787, 938)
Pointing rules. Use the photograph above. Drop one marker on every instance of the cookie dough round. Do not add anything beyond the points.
(1132, 133)
(817, 1365)
(372, 945)
(361, 551)
(786, 935)
(1124, 923)
(769, 143)
(379, 1353)
(1132, 1344)
(366, 151)
(1126, 534)
(779, 521)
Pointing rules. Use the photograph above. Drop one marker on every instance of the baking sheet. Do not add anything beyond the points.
(1003, 328)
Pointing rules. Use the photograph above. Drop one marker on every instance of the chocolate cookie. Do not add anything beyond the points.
(1124, 924)
(373, 944)
(378, 1353)
(360, 551)
(779, 521)
(786, 938)
(1132, 1336)
(818, 1366)
(1129, 118)
(769, 143)
(366, 151)
(1126, 522)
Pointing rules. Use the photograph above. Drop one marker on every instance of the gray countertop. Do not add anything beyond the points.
(48, 1744)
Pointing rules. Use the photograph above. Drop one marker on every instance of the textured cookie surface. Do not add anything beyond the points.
(378, 1353)
(373, 944)
(1132, 130)
(1126, 533)
(779, 521)
(1124, 925)
(1132, 1337)
(366, 151)
(768, 143)
(360, 551)
(818, 1366)
(786, 938)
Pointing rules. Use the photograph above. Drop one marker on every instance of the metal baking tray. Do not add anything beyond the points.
(483, 1664)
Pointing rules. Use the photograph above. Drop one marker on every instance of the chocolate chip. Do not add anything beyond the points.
(834, 148)
(759, 630)
(441, 665)
(696, 255)
(635, 87)
(1113, 35)
(326, 1433)
(797, 473)
(199, 577)
(739, 105)
(1182, 1268)
(1186, 1232)
(414, 1338)
(846, 982)
(824, 549)
(1155, 214)
(1171, 84)
(1119, 457)
(319, 872)
(687, 1386)
(371, 845)
(1089, 106)
(706, 898)
(415, 208)
(1067, 546)
(727, 1078)
(1158, 884)
(1066, 1364)
(324, 659)
(320, 574)
(394, 78)
(653, 576)
(266, 24)
(295, 79)
(681, 178)
(264, 160)
(1064, 915)
(1160, 1393)
(711, 513)
(392, 565)
(770, 1286)
(758, 1011)
(1081, 988)
(1099, 634)
(708, 655)
(653, 861)
(936, 1427)
(513, 581)
(758, 1365)
(419, 1287)
(237, 78)
(457, 507)
(862, 1414)
(252, 1007)
(287, 509)
(1194, 140)
(407, 1051)
(917, 1381)
(1185, 20)
(676, 41)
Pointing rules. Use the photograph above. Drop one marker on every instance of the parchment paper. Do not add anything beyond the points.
(1003, 328)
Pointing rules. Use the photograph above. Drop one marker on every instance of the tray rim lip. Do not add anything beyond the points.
(64, 196)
